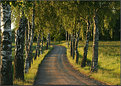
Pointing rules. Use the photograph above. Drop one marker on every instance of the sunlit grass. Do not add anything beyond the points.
(108, 60)
(30, 76)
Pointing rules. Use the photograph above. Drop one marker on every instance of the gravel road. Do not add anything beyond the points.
(56, 70)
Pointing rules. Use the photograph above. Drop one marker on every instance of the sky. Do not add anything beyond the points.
(12, 26)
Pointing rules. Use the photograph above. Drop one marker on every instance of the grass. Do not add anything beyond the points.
(30, 76)
(108, 60)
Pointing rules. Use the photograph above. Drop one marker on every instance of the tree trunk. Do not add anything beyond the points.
(71, 44)
(19, 49)
(29, 58)
(6, 49)
(36, 53)
(26, 42)
(47, 45)
(47, 42)
(94, 65)
(84, 60)
(41, 51)
(26, 39)
(32, 36)
(68, 39)
(77, 53)
(37, 47)
(60, 34)
(29, 32)
(73, 48)
(27, 48)
(30, 48)
(49, 39)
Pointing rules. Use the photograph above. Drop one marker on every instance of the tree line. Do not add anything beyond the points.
(70, 20)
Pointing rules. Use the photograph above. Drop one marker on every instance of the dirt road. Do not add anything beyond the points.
(56, 70)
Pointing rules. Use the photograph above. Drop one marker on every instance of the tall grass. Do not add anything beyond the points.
(108, 61)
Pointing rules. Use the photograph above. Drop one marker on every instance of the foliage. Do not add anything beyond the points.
(51, 15)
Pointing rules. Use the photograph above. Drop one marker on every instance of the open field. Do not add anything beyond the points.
(108, 60)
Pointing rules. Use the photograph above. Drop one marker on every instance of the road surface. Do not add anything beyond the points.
(56, 70)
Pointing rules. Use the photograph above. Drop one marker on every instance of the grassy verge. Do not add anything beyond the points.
(108, 60)
(30, 76)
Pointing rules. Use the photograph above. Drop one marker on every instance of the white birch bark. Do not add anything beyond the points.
(6, 49)
(94, 65)
(84, 60)
(19, 51)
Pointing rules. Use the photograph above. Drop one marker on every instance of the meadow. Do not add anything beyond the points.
(108, 61)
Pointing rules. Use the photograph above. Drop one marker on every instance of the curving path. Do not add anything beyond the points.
(56, 70)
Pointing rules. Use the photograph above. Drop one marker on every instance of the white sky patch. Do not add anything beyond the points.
(12, 26)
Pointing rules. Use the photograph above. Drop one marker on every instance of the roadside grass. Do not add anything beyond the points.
(30, 76)
(108, 60)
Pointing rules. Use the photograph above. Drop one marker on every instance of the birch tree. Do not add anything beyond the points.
(29, 58)
(19, 49)
(76, 46)
(6, 49)
(84, 60)
(38, 46)
(99, 9)
(94, 66)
